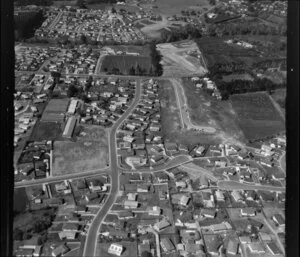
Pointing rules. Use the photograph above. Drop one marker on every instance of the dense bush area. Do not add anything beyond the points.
(26, 23)
(245, 86)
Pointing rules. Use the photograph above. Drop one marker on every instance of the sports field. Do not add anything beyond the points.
(124, 63)
(89, 152)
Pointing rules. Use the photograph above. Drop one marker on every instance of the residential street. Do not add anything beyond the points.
(91, 239)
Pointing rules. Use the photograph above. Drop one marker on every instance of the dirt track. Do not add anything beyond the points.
(184, 112)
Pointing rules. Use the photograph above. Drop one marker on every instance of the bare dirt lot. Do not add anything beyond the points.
(182, 58)
(205, 110)
(173, 127)
(88, 153)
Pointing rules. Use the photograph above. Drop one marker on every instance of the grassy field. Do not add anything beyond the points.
(89, 152)
(143, 51)
(231, 77)
(130, 249)
(124, 63)
(257, 115)
(169, 8)
(46, 131)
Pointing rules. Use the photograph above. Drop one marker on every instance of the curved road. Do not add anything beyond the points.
(91, 239)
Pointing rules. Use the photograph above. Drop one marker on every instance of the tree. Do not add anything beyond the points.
(18, 234)
(80, 4)
(132, 71)
(56, 76)
(83, 39)
(146, 254)
(72, 91)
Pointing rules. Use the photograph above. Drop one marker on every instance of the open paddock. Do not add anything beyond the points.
(257, 116)
(80, 156)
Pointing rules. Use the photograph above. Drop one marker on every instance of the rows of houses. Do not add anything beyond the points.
(109, 99)
(140, 141)
(96, 25)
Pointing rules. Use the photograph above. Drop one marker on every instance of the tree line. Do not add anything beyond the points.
(246, 86)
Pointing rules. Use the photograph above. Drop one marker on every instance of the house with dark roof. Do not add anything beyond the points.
(256, 248)
(162, 225)
(60, 250)
(167, 245)
(232, 247)
(248, 212)
(91, 196)
(138, 144)
(208, 213)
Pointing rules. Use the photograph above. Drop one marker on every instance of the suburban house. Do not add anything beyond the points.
(161, 225)
(115, 249)
(248, 212)
(167, 245)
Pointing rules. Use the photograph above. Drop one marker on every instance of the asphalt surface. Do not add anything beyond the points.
(91, 239)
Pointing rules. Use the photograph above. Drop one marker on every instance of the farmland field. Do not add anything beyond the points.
(279, 96)
(257, 115)
(88, 153)
(124, 63)
(169, 8)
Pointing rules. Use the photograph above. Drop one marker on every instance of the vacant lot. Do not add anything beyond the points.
(170, 120)
(172, 128)
(257, 115)
(46, 131)
(123, 63)
(206, 110)
(90, 152)
(130, 249)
